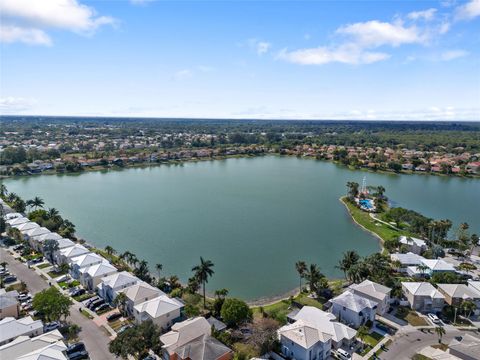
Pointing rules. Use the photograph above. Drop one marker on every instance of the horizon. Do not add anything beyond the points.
(280, 60)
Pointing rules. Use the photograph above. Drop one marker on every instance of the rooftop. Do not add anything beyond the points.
(304, 334)
(423, 289)
(353, 301)
(159, 306)
(372, 289)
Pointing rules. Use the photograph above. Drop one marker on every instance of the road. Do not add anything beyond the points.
(409, 342)
(95, 340)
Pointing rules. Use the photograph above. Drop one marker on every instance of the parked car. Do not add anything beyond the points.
(18, 247)
(77, 292)
(3, 271)
(4, 274)
(114, 316)
(101, 307)
(24, 297)
(78, 355)
(434, 318)
(150, 357)
(79, 346)
(124, 328)
(342, 354)
(54, 325)
(9, 279)
(96, 303)
(91, 300)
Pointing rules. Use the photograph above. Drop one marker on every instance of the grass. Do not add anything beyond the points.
(43, 266)
(443, 347)
(83, 297)
(373, 339)
(248, 350)
(420, 357)
(363, 218)
(379, 351)
(57, 274)
(86, 314)
(411, 317)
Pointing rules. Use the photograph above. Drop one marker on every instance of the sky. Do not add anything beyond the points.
(375, 60)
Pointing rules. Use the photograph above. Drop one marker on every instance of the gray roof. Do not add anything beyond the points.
(7, 301)
(217, 324)
(408, 258)
(468, 345)
(353, 301)
(203, 348)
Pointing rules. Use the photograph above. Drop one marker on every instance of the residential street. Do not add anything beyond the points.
(96, 341)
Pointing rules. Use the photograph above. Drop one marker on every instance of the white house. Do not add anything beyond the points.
(112, 284)
(37, 241)
(375, 292)
(30, 234)
(182, 333)
(83, 261)
(414, 245)
(423, 297)
(66, 254)
(10, 328)
(432, 266)
(163, 311)
(91, 276)
(474, 285)
(140, 293)
(455, 294)
(23, 228)
(352, 309)
(25, 344)
(303, 341)
(406, 260)
(54, 351)
(341, 334)
(14, 222)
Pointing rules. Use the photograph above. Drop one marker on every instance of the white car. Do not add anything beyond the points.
(434, 318)
(342, 354)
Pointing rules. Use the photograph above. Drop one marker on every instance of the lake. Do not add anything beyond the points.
(253, 217)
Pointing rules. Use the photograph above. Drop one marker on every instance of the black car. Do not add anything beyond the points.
(9, 279)
(101, 307)
(78, 355)
(114, 316)
(96, 303)
(91, 301)
(77, 347)
(78, 292)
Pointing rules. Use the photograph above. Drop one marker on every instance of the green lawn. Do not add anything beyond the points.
(410, 316)
(43, 266)
(364, 219)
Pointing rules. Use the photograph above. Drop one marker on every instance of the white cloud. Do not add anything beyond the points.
(376, 33)
(426, 15)
(346, 54)
(260, 47)
(183, 74)
(468, 11)
(34, 17)
(453, 54)
(12, 33)
(11, 104)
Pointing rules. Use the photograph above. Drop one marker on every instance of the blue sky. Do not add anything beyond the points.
(412, 60)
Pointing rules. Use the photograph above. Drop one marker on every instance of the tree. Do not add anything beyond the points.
(49, 248)
(349, 259)
(35, 203)
(264, 334)
(362, 333)
(352, 189)
(110, 250)
(52, 304)
(142, 272)
(136, 341)
(313, 276)
(468, 307)
(301, 268)
(53, 214)
(159, 268)
(202, 272)
(440, 331)
(220, 296)
(120, 302)
(234, 312)
(421, 268)
(3, 191)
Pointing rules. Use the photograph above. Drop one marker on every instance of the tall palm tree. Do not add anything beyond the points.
(468, 307)
(49, 248)
(120, 302)
(422, 269)
(313, 276)
(3, 190)
(36, 203)
(440, 331)
(349, 259)
(203, 271)
(159, 268)
(301, 267)
(110, 250)
(53, 214)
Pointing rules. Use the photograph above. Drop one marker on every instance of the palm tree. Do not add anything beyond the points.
(3, 264)
(349, 259)
(422, 269)
(468, 307)
(3, 190)
(203, 271)
(110, 250)
(440, 331)
(362, 333)
(301, 267)
(221, 293)
(174, 282)
(53, 214)
(49, 248)
(313, 276)
(36, 203)
(159, 268)
(141, 270)
(120, 302)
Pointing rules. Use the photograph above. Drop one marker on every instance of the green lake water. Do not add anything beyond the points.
(253, 217)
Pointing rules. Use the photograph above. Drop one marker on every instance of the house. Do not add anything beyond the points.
(112, 284)
(140, 293)
(26, 226)
(430, 267)
(475, 285)
(375, 292)
(163, 311)
(91, 276)
(38, 241)
(406, 260)
(66, 254)
(10, 328)
(51, 352)
(205, 347)
(303, 341)
(23, 345)
(423, 297)
(14, 222)
(466, 347)
(353, 310)
(341, 334)
(414, 245)
(83, 261)
(9, 304)
(455, 294)
(181, 334)
(30, 234)
(64, 243)
(216, 324)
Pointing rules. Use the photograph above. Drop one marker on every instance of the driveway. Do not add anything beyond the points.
(95, 339)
